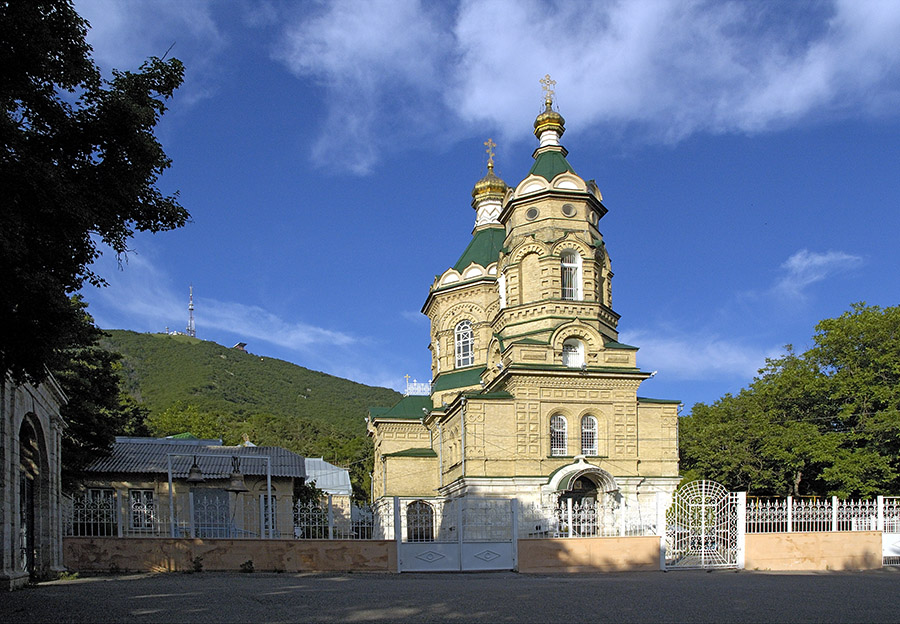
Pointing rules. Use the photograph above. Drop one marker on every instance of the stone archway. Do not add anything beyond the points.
(34, 544)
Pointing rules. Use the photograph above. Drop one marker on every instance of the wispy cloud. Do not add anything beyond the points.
(694, 357)
(805, 268)
(667, 68)
(144, 294)
(124, 34)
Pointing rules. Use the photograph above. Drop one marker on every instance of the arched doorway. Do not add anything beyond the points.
(587, 502)
(33, 500)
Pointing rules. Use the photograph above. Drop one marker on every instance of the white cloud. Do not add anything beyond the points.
(125, 34)
(698, 357)
(667, 68)
(808, 267)
(375, 60)
(144, 295)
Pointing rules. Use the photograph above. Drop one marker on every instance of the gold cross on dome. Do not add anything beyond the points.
(547, 85)
(490, 152)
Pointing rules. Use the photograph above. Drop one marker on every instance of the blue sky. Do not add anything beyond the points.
(748, 153)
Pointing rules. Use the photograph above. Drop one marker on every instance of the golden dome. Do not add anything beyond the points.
(489, 185)
(549, 120)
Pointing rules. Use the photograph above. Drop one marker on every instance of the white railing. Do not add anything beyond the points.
(324, 520)
(586, 518)
(790, 515)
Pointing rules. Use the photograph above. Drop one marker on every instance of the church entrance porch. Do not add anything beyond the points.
(455, 534)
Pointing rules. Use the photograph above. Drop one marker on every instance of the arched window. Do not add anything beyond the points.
(559, 440)
(588, 435)
(570, 267)
(465, 355)
(573, 353)
(419, 522)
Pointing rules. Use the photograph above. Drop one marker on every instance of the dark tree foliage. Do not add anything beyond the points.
(823, 422)
(97, 409)
(79, 164)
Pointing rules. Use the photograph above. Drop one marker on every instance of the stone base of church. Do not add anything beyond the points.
(10, 580)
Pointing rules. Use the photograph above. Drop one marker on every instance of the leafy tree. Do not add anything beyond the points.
(96, 410)
(186, 418)
(79, 165)
(823, 422)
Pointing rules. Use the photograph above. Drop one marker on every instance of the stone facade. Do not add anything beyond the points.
(30, 519)
(533, 396)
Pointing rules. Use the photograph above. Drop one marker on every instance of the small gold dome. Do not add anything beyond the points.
(489, 185)
(549, 120)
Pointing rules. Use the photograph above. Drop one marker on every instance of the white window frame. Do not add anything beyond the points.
(573, 353)
(588, 435)
(465, 344)
(570, 276)
(559, 437)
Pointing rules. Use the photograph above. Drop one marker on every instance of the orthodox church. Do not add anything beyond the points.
(532, 396)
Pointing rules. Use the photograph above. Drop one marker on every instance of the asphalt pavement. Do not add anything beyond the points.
(682, 596)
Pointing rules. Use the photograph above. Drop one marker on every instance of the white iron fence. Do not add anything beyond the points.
(586, 518)
(794, 515)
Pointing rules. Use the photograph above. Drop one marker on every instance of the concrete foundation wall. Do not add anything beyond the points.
(856, 550)
(590, 554)
(92, 554)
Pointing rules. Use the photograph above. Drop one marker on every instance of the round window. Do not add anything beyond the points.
(568, 210)
(532, 213)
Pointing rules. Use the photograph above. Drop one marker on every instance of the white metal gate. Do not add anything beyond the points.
(449, 535)
(704, 527)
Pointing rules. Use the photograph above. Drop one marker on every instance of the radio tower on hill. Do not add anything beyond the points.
(191, 330)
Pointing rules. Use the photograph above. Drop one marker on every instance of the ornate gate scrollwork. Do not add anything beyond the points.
(702, 527)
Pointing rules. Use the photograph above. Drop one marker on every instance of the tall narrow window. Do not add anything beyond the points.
(559, 440)
(570, 266)
(588, 435)
(573, 353)
(465, 355)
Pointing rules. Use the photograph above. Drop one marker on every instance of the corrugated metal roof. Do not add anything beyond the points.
(328, 477)
(150, 455)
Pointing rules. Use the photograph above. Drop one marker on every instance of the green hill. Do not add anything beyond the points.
(188, 383)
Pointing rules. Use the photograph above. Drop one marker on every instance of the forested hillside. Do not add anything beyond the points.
(213, 391)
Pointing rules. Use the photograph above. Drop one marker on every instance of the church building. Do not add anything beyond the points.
(533, 397)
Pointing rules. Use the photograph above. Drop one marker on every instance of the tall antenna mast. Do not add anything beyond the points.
(191, 330)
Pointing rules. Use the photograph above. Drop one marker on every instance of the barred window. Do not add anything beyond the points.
(559, 440)
(465, 355)
(570, 267)
(573, 353)
(588, 435)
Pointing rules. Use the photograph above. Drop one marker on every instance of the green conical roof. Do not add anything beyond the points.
(550, 164)
(483, 249)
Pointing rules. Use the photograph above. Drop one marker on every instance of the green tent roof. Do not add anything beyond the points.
(483, 249)
(413, 452)
(458, 379)
(550, 164)
(407, 407)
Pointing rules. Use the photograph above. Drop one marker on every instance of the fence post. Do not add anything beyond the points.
(569, 512)
(513, 508)
(879, 526)
(741, 528)
(790, 514)
(330, 519)
(661, 530)
(834, 513)
(398, 532)
(191, 522)
(120, 530)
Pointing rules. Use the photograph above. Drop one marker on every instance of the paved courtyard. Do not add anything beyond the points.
(688, 596)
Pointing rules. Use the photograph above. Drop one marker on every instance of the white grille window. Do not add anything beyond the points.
(573, 353)
(142, 510)
(465, 355)
(558, 436)
(570, 266)
(588, 435)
